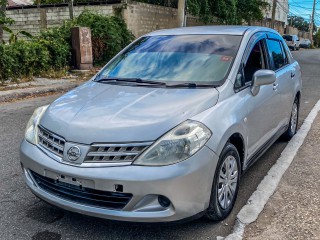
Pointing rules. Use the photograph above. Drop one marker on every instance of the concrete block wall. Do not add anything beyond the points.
(141, 18)
(35, 19)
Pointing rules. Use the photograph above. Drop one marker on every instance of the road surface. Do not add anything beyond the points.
(23, 216)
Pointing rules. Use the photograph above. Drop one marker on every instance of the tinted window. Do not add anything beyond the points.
(287, 37)
(185, 58)
(255, 62)
(277, 54)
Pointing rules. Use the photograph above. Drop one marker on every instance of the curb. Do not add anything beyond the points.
(18, 94)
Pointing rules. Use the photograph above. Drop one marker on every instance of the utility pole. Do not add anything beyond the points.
(182, 13)
(311, 22)
(273, 18)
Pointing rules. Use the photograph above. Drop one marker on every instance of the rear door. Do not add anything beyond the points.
(283, 85)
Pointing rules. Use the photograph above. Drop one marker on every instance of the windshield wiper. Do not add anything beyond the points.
(134, 80)
(191, 85)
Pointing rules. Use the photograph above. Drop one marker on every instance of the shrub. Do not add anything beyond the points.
(109, 35)
(23, 59)
(57, 42)
(51, 50)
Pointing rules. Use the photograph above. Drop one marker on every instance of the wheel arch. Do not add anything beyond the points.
(298, 95)
(237, 140)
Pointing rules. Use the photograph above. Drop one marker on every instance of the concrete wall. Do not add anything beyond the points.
(33, 20)
(141, 18)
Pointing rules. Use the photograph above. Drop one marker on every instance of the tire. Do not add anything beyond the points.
(293, 124)
(219, 209)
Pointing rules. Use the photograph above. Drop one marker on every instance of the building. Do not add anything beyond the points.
(282, 11)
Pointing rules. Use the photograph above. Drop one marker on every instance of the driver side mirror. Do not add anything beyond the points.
(260, 78)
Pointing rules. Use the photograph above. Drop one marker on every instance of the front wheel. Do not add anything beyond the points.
(225, 184)
(293, 124)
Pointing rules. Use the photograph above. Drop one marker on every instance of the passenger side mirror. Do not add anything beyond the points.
(260, 78)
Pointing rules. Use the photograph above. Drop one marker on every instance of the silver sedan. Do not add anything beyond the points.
(164, 131)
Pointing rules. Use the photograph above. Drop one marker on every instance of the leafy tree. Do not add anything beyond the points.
(317, 38)
(250, 10)
(300, 23)
(227, 11)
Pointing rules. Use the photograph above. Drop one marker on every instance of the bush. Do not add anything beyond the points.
(109, 35)
(51, 50)
(57, 42)
(23, 59)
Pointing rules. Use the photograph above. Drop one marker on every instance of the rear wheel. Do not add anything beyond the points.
(293, 124)
(225, 184)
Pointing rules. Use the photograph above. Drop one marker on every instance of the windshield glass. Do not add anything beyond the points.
(202, 59)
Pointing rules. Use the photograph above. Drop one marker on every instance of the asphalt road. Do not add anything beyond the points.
(23, 216)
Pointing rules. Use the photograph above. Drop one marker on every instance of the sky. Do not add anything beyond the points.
(303, 8)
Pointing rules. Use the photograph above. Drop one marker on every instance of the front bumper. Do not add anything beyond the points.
(186, 184)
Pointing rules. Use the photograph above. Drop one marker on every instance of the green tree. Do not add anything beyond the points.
(317, 38)
(227, 11)
(300, 23)
(3, 4)
(250, 10)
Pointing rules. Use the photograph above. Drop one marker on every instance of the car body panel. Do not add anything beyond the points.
(187, 185)
(122, 113)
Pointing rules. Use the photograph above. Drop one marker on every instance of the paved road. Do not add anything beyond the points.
(23, 216)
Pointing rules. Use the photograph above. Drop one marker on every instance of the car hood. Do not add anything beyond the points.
(105, 113)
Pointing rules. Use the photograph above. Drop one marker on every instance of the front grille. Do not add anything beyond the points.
(110, 153)
(51, 142)
(78, 194)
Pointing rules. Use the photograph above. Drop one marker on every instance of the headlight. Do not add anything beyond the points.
(31, 134)
(177, 145)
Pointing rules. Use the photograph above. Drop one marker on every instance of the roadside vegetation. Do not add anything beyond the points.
(25, 56)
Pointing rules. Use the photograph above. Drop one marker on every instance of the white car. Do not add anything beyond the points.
(305, 43)
(292, 41)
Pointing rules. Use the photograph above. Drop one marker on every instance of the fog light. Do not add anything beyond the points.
(164, 201)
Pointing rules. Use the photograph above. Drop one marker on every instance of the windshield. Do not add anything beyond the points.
(202, 59)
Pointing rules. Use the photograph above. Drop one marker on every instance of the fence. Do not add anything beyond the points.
(141, 18)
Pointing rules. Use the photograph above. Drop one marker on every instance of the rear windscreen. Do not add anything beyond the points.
(287, 37)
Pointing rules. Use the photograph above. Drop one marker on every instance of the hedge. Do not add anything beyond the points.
(51, 50)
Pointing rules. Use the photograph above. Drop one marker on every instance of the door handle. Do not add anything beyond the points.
(293, 74)
(275, 86)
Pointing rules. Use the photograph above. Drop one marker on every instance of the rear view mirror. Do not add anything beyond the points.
(260, 78)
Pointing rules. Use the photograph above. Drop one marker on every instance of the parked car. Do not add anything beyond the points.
(292, 41)
(166, 129)
(305, 43)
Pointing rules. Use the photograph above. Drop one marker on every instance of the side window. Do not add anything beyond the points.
(255, 62)
(277, 54)
(285, 54)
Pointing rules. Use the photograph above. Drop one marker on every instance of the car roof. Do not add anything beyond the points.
(205, 30)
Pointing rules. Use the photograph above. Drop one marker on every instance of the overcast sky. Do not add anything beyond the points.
(303, 8)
